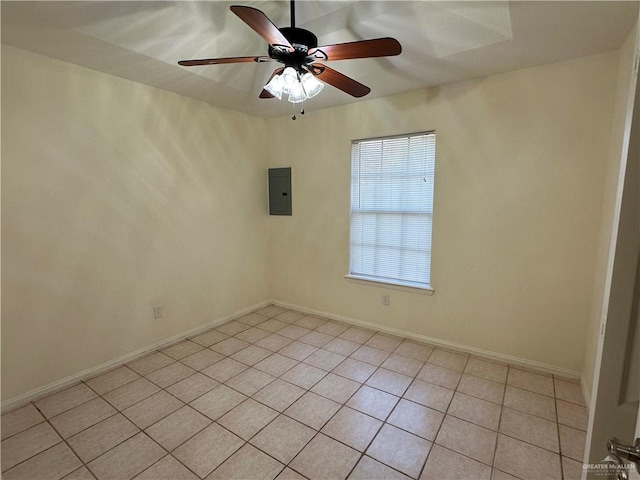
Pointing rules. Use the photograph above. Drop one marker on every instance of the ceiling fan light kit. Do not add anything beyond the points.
(297, 49)
(298, 88)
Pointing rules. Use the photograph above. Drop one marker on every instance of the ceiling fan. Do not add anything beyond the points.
(297, 49)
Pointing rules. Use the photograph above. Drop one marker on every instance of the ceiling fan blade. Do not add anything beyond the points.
(264, 27)
(378, 47)
(264, 93)
(340, 81)
(217, 61)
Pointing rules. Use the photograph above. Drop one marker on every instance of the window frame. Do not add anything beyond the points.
(407, 286)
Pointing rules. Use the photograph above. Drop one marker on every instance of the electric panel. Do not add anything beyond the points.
(280, 191)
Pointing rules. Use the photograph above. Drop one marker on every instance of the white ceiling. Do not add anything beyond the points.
(442, 42)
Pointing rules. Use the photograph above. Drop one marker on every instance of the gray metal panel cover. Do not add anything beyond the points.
(280, 191)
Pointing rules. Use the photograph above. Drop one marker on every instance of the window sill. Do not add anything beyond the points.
(392, 286)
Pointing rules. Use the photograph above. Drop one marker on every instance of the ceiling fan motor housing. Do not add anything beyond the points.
(301, 40)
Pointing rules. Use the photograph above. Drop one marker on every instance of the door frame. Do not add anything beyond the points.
(610, 327)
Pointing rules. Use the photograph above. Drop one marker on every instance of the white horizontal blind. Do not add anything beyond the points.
(392, 207)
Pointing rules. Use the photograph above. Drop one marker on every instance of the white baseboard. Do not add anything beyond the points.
(92, 372)
(499, 357)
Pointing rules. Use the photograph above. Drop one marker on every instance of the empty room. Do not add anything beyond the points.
(320, 240)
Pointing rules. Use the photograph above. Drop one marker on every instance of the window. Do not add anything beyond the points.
(391, 209)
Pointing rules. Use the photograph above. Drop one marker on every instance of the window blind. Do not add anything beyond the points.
(391, 208)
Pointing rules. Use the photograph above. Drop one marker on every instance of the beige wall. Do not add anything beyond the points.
(614, 153)
(520, 166)
(117, 197)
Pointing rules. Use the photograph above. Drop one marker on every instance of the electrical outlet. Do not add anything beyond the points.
(157, 311)
(385, 299)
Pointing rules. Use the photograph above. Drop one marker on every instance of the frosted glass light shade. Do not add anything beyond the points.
(290, 79)
(275, 86)
(296, 93)
(311, 85)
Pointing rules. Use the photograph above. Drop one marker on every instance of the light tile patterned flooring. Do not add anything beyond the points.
(280, 394)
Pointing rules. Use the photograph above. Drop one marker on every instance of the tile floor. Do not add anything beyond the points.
(280, 394)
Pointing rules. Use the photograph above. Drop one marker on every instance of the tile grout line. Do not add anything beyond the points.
(502, 407)
(120, 412)
(383, 423)
(62, 441)
(439, 428)
(555, 404)
(279, 413)
(495, 452)
(141, 432)
(343, 404)
(464, 420)
(169, 454)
